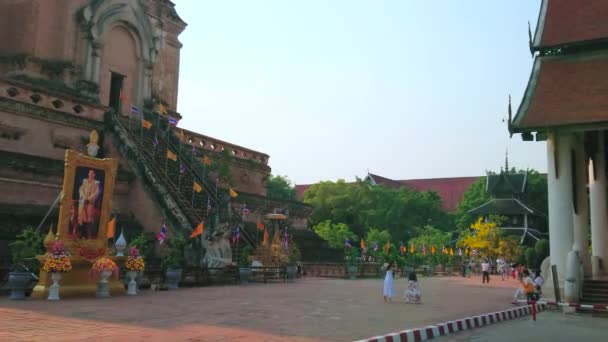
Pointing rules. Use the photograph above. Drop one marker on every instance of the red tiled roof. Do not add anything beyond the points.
(387, 182)
(565, 91)
(451, 190)
(300, 190)
(569, 21)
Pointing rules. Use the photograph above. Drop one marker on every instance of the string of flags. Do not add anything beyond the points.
(403, 249)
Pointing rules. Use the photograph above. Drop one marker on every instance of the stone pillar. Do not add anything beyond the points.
(559, 181)
(599, 215)
(581, 214)
(96, 61)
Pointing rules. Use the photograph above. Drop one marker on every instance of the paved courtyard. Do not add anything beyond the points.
(309, 310)
(549, 326)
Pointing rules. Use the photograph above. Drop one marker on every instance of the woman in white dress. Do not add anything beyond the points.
(413, 293)
(388, 283)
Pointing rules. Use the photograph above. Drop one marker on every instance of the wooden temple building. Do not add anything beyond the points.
(565, 105)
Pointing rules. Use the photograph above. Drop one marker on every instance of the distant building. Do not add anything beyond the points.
(451, 190)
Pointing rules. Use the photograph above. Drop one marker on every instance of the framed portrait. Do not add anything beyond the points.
(86, 203)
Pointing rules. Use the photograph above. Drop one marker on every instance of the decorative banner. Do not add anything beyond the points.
(260, 225)
(171, 155)
(362, 244)
(387, 247)
(347, 243)
(433, 250)
(233, 193)
(375, 246)
(197, 231)
(146, 124)
(110, 228)
(265, 238)
(412, 248)
(206, 160)
(197, 187)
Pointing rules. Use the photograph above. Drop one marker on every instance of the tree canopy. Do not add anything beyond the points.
(362, 206)
(280, 188)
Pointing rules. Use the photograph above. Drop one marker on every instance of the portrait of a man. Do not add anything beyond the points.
(86, 202)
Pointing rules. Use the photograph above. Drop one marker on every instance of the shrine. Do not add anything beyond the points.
(565, 105)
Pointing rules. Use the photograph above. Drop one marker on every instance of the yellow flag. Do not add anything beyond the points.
(146, 124)
(162, 109)
(451, 251)
(433, 250)
(171, 155)
(197, 187)
(111, 228)
(233, 193)
(197, 231)
(412, 248)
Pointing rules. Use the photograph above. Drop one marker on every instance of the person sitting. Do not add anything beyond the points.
(413, 294)
(527, 285)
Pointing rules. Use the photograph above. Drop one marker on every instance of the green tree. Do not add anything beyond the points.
(361, 206)
(280, 188)
(475, 196)
(334, 233)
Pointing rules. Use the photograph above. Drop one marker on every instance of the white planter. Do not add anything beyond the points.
(132, 286)
(103, 288)
(54, 289)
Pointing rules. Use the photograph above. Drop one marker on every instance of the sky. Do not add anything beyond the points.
(332, 89)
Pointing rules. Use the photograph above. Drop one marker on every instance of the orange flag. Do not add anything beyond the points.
(197, 231)
(197, 187)
(111, 228)
(265, 239)
(362, 244)
(387, 247)
(260, 225)
(206, 160)
(433, 250)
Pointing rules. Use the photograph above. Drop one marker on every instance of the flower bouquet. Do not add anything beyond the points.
(56, 263)
(104, 268)
(134, 261)
(135, 264)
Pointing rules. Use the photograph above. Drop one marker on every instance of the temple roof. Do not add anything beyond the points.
(506, 184)
(504, 206)
(564, 91)
(564, 22)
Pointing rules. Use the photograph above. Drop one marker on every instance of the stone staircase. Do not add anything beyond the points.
(595, 292)
(172, 181)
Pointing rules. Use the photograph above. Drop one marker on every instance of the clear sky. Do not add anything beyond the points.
(333, 88)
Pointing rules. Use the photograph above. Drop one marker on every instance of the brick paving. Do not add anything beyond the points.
(309, 310)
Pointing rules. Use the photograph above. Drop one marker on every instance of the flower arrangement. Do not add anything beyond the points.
(134, 261)
(59, 261)
(104, 264)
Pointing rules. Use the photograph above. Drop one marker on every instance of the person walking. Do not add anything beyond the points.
(388, 283)
(485, 270)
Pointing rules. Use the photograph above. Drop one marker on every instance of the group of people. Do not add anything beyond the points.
(531, 288)
(412, 294)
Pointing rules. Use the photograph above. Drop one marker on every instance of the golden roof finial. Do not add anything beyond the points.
(49, 239)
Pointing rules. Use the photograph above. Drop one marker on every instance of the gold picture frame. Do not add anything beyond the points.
(76, 211)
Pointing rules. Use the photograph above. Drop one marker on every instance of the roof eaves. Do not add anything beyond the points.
(540, 26)
(528, 95)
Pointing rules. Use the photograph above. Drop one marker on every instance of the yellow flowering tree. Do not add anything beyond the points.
(490, 241)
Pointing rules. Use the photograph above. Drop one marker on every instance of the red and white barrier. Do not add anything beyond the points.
(447, 328)
(596, 307)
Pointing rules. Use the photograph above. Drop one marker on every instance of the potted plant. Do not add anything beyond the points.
(135, 264)
(103, 268)
(174, 260)
(24, 251)
(352, 264)
(294, 256)
(56, 263)
(144, 243)
(245, 265)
